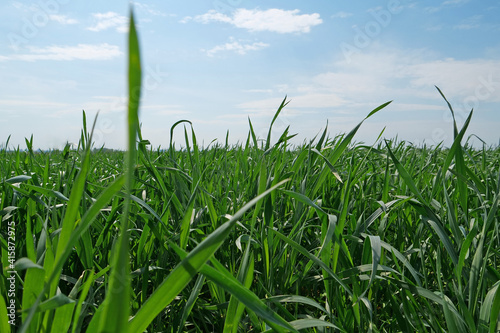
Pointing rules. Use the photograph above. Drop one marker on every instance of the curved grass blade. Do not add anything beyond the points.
(490, 310)
(221, 276)
(348, 138)
(313, 258)
(180, 276)
(376, 247)
(268, 140)
(301, 324)
(297, 299)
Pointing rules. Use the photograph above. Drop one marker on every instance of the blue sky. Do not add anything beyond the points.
(218, 63)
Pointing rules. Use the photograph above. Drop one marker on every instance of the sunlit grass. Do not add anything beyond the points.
(327, 236)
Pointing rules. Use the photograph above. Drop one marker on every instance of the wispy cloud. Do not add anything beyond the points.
(102, 51)
(149, 9)
(382, 74)
(472, 22)
(274, 20)
(63, 19)
(104, 21)
(342, 15)
(236, 46)
(446, 4)
(455, 2)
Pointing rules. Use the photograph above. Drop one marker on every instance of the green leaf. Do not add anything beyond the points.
(18, 179)
(180, 276)
(281, 107)
(116, 310)
(4, 316)
(54, 303)
(221, 276)
(313, 258)
(191, 300)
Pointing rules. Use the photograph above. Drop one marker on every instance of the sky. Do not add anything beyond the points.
(219, 63)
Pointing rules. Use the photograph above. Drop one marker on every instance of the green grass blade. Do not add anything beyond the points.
(281, 107)
(235, 308)
(4, 317)
(313, 258)
(180, 276)
(376, 247)
(191, 301)
(405, 175)
(117, 303)
(221, 276)
(77, 319)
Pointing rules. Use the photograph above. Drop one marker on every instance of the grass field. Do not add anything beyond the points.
(328, 236)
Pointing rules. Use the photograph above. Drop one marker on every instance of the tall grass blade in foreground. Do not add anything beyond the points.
(117, 303)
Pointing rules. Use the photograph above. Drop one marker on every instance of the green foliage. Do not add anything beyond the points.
(329, 236)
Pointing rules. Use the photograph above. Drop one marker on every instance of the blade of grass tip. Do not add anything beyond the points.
(117, 302)
(347, 139)
(455, 129)
(329, 164)
(459, 159)
(172, 135)
(268, 140)
(180, 276)
(452, 152)
(322, 138)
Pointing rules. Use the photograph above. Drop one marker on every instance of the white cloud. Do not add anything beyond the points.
(164, 110)
(406, 76)
(446, 4)
(259, 91)
(469, 23)
(455, 2)
(80, 52)
(275, 20)
(108, 20)
(236, 46)
(149, 9)
(62, 19)
(30, 103)
(342, 15)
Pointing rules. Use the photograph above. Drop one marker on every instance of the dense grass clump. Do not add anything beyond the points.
(328, 236)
